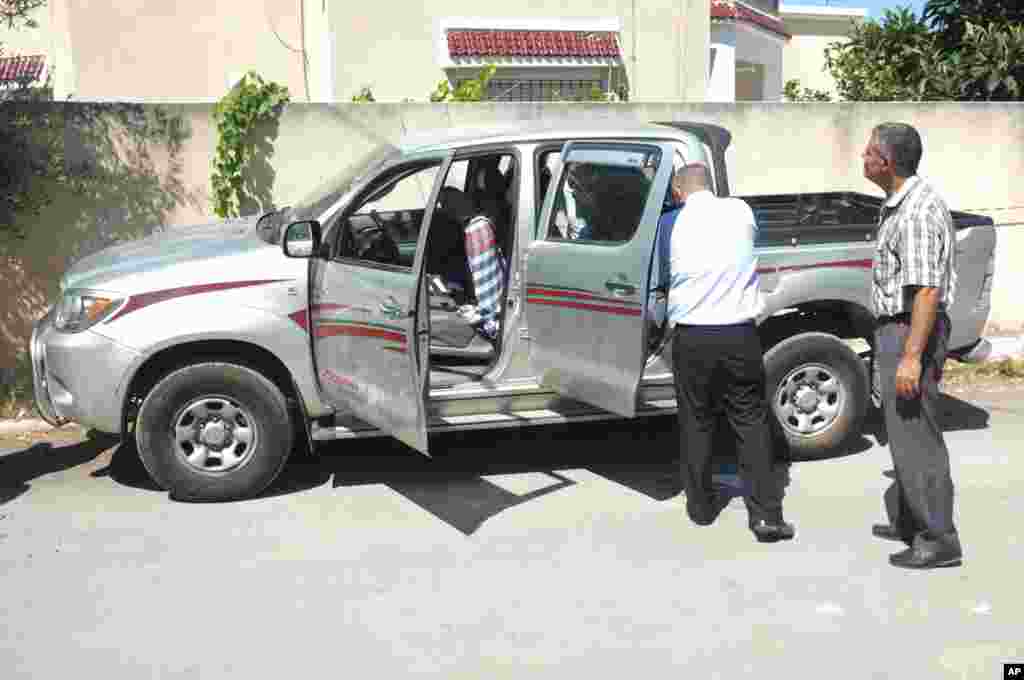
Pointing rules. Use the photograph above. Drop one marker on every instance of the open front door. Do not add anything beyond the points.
(588, 272)
(368, 311)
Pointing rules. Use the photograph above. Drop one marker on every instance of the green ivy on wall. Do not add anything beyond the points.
(250, 103)
(472, 90)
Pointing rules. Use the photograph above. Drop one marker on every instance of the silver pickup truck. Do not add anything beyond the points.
(224, 347)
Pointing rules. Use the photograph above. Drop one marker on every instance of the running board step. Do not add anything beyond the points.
(359, 429)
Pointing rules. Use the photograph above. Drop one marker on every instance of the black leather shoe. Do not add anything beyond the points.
(889, 533)
(928, 555)
(772, 532)
(716, 502)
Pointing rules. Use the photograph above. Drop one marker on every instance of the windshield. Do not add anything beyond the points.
(313, 204)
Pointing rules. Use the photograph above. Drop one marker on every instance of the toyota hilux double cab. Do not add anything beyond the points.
(356, 312)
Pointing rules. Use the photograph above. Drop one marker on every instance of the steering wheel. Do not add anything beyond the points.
(377, 226)
(380, 249)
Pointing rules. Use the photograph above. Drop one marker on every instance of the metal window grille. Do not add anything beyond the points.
(530, 90)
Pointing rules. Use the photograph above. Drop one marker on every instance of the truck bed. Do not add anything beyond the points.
(827, 217)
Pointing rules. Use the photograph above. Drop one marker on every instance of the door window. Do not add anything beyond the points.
(601, 195)
(384, 225)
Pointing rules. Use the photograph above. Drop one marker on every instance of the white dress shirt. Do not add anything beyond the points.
(713, 267)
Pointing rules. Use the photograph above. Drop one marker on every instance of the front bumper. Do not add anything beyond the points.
(75, 376)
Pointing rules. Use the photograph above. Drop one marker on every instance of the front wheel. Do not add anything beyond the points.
(818, 389)
(214, 432)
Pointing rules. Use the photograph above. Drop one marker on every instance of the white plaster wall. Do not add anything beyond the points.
(814, 29)
(761, 47)
(722, 80)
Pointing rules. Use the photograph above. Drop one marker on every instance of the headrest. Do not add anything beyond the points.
(489, 180)
(455, 204)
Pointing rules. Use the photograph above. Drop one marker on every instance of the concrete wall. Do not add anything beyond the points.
(973, 152)
(812, 29)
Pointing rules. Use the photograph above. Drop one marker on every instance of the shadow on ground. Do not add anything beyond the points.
(125, 467)
(18, 469)
(956, 415)
(460, 484)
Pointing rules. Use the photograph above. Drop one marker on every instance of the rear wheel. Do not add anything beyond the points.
(819, 393)
(214, 432)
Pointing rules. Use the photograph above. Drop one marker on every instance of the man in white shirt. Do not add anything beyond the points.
(713, 303)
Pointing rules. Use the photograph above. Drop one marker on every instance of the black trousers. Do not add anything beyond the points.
(920, 500)
(723, 366)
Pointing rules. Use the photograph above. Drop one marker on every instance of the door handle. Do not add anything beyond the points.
(391, 308)
(620, 288)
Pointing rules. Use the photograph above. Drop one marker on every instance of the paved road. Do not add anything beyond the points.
(548, 554)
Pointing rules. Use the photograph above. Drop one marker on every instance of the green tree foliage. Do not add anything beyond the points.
(883, 61)
(27, 157)
(15, 13)
(949, 18)
(473, 90)
(984, 42)
(250, 104)
(793, 93)
(966, 50)
(25, 153)
(87, 157)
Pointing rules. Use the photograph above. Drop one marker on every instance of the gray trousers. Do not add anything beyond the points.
(920, 500)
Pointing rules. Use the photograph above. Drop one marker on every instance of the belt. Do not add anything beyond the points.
(904, 317)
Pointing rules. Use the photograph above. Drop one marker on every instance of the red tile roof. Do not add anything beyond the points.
(483, 43)
(21, 69)
(729, 9)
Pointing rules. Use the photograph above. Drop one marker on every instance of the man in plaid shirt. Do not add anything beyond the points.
(913, 285)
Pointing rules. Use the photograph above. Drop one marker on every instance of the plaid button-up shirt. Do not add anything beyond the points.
(916, 247)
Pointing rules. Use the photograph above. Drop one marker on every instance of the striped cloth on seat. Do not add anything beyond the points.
(488, 270)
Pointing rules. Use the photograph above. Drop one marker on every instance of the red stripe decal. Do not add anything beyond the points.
(575, 294)
(301, 317)
(326, 331)
(137, 302)
(623, 311)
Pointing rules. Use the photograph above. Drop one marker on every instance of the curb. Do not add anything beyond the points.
(9, 427)
(1000, 348)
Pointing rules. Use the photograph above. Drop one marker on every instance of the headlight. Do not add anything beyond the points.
(81, 309)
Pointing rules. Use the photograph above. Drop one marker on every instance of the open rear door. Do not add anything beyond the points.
(370, 318)
(588, 271)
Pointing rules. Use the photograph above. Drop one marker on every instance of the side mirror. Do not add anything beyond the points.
(301, 239)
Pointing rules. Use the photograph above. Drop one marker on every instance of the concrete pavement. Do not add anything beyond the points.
(544, 553)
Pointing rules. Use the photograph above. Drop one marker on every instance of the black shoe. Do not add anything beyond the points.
(707, 515)
(772, 532)
(929, 555)
(889, 533)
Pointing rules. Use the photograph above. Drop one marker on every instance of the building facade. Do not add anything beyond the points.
(326, 51)
(812, 29)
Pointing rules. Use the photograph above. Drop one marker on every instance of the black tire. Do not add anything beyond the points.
(816, 416)
(240, 401)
